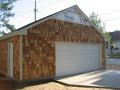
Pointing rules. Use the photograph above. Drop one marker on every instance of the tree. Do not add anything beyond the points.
(94, 17)
(5, 13)
(96, 20)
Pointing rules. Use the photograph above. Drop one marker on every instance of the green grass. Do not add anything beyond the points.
(115, 56)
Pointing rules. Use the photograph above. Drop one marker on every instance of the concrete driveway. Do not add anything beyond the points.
(113, 61)
(101, 78)
(113, 64)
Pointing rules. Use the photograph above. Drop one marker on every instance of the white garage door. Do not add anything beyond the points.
(74, 58)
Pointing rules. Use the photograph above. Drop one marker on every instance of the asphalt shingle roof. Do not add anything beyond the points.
(115, 35)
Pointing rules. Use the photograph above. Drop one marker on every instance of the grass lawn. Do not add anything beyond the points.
(114, 56)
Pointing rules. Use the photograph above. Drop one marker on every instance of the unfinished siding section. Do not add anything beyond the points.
(39, 45)
(4, 56)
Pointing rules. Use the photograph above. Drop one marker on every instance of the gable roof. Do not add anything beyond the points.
(52, 16)
(83, 20)
(115, 35)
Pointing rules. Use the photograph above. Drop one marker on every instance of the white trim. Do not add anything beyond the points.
(10, 60)
(21, 58)
(57, 42)
(20, 32)
(8, 66)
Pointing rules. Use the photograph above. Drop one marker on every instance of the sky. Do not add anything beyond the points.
(108, 10)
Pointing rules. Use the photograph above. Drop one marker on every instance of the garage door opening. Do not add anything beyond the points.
(74, 58)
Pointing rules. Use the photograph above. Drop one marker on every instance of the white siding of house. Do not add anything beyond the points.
(117, 44)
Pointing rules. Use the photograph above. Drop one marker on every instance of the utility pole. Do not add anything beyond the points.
(35, 10)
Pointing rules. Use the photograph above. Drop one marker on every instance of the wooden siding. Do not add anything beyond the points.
(39, 45)
(4, 55)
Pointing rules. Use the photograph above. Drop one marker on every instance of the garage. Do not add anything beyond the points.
(74, 58)
(63, 43)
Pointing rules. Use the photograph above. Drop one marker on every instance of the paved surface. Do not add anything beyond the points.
(113, 61)
(113, 67)
(113, 64)
(101, 78)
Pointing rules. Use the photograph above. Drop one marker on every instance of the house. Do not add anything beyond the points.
(61, 44)
(116, 41)
(108, 47)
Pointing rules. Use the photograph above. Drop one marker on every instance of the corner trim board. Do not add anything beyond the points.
(21, 58)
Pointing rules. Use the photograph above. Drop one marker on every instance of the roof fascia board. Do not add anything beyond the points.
(22, 31)
(15, 33)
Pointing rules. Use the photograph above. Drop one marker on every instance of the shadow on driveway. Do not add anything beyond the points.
(99, 78)
(111, 79)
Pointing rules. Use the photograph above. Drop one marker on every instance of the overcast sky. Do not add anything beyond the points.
(109, 10)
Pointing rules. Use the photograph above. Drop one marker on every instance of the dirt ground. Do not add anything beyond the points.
(57, 86)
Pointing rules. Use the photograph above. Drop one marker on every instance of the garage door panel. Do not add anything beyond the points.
(74, 58)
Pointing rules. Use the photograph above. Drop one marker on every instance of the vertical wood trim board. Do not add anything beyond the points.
(100, 55)
(10, 60)
(21, 58)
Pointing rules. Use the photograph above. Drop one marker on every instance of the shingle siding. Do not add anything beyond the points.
(39, 45)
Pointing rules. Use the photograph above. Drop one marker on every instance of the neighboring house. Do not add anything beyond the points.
(108, 48)
(116, 41)
(61, 44)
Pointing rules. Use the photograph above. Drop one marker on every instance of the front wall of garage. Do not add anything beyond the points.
(39, 45)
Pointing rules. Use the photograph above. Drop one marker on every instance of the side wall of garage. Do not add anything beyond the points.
(15, 40)
(39, 45)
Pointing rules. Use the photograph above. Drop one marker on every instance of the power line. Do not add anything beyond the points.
(110, 12)
(111, 19)
(35, 10)
(23, 13)
(107, 20)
